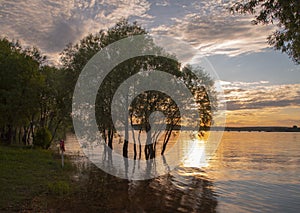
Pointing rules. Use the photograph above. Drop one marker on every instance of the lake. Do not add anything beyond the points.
(250, 172)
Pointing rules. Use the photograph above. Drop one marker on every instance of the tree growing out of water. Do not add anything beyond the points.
(137, 113)
(141, 109)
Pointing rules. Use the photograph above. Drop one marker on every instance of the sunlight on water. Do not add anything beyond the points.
(250, 172)
(196, 154)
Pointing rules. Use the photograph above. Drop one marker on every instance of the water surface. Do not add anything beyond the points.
(250, 172)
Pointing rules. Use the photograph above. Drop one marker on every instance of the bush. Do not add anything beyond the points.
(42, 138)
(59, 188)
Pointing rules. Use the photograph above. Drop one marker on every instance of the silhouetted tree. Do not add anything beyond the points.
(30, 93)
(75, 57)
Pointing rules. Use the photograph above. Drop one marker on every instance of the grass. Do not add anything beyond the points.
(26, 174)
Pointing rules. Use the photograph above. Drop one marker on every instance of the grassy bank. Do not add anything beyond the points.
(29, 177)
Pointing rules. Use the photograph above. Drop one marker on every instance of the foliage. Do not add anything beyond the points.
(20, 82)
(30, 93)
(42, 138)
(53, 109)
(37, 96)
(59, 188)
(285, 14)
(201, 87)
(75, 57)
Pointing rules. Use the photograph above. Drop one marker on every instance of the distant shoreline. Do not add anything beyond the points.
(237, 129)
(257, 129)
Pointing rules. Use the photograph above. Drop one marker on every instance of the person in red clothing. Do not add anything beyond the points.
(62, 145)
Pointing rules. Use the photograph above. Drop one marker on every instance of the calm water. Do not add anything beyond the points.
(257, 172)
(250, 172)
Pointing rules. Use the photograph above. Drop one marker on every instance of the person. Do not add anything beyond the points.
(62, 145)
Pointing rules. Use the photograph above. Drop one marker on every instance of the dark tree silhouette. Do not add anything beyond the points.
(74, 58)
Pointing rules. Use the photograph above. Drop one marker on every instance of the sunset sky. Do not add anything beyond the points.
(262, 86)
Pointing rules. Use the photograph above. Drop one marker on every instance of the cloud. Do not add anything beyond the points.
(51, 25)
(230, 91)
(207, 25)
(163, 3)
(213, 30)
(260, 95)
(272, 116)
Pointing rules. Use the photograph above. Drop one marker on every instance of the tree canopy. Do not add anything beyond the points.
(36, 98)
(75, 57)
(283, 13)
(30, 94)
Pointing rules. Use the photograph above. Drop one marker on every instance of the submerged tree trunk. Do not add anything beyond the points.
(166, 140)
(140, 145)
(110, 138)
(134, 144)
(149, 151)
(125, 145)
(168, 135)
(125, 149)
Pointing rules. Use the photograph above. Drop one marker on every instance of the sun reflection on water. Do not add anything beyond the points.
(196, 156)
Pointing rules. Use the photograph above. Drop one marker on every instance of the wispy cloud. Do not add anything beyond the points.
(207, 25)
(213, 30)
(51, 25)
(272, 116)
(260, 95)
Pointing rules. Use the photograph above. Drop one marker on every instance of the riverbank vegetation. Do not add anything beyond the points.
(29, 176)
(36, 108)
(31, 93)
(36, 97)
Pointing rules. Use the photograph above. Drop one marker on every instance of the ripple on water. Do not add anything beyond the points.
(251, 172)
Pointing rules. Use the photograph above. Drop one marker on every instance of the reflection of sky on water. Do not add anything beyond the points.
(249, 169)
(189, 151)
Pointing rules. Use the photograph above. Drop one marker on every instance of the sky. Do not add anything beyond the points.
(261, 86)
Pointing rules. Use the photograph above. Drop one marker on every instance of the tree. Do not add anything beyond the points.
(31, 94)
(75, 57)
(20, 82)
(42, 138)
(201, 87)
(53, 111)
(283, 13)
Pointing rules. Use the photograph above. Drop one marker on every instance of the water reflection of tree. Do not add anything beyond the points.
(175, 192)
(169, 194)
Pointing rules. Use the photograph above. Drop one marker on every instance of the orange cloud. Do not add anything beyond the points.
(261, 104)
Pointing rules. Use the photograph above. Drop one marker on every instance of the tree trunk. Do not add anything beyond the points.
(140, 145)
(110, 138)
(134, 144)
(149, 151)
(125, 145)
(24, 138)
(9, 134)
(55, 130)
(166, 140)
